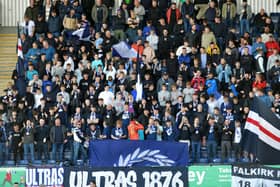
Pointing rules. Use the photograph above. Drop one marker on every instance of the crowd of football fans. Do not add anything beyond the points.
(200, 65)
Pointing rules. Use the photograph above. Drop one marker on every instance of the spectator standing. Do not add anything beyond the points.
(15, 139)
(237, 139)
(229, 13)
(28, 132)
(41, 138)
(58, 138)
(185, 131)
(245, 14)
(134, 129)
(99, 14)
(32, 11)
(70, 24)
(196, 137)
(224, 72)
(119, 132)
(211, 137)
(187, 10)
(151, 130)
(172, 16)
(169, 131)
(226, 137)
(78, 141)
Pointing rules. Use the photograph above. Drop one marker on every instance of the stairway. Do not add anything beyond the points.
(8, 59)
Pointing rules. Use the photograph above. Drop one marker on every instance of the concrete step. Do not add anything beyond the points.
(8, 59)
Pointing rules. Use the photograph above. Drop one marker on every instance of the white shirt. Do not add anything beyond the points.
(29, 27)
(37, 98)
(107, 96)
(69, 61)
(237, 135)
(153, 41)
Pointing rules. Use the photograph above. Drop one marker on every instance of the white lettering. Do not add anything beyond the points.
(85, 178)
(29, 177)
(54, 176)
(75, 179)
(40, 174)
(121, 180)
(109, 178)
(34, 182)
(168, 176)
(200, 177)
(47, 178)
(191, 176)
(60, 176)
(131, 178)
(176, 181)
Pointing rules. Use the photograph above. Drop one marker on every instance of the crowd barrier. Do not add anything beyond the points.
(193, 176)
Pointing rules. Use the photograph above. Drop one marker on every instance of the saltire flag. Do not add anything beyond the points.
(20, 63)
(139, 85)
(19, 45)
(81, 34)
(123, 50)
(20, 68)
(263, 133)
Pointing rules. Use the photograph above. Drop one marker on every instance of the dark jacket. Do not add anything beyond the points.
(54, 24)
(52, 133)
(196, 133)
(216, 132)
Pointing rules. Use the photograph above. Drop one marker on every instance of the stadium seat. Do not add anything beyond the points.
(231, 160)
(80, 162)
(9, 163)
(203, 160)
(23, 163)
(37, 162)
(51, 162)
(245, 160)
(67, 155)
(66, 163)
(217, 160)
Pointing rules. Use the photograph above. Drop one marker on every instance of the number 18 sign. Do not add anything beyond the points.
(255, 176)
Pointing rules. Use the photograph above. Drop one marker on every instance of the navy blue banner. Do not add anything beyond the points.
(126, 153)
(50, 177)
(132, 177)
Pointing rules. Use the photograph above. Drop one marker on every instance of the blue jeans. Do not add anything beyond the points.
(28, 149)
(211, 149)
(3, 152)
(78, 148)
(244, 26)
(196, 150)
(57, 151)
(187, 25)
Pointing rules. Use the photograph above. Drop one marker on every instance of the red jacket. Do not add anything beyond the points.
(270, 46)
(196, 82)
(168, 14)
(259, 84)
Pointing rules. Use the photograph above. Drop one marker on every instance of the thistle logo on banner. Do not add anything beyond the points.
(126, 177)
(50, 177)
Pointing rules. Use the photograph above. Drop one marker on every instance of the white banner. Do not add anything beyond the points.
(255, 176)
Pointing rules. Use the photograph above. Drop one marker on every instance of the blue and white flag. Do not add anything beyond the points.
(139, 88)
(80, 33)
(125, 153)
(123, 50)
(263, 133)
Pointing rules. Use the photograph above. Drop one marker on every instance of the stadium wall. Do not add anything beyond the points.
(12, 11)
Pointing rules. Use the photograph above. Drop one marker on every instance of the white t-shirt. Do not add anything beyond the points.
(28, 27)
